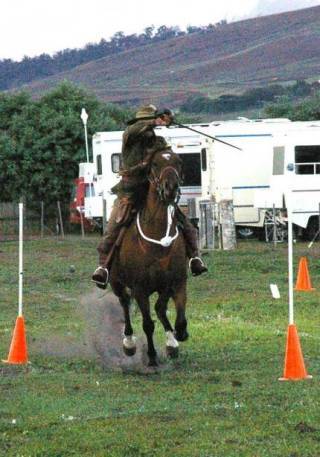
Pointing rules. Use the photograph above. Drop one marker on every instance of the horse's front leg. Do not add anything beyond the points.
(148, 326)
(172, 345)
(129, 341)
(180, 300)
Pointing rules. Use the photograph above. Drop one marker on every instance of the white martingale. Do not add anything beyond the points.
(171, 341)
(167, 240)
(129, 342)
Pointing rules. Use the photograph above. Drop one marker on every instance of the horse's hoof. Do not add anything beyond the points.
(129, 351)
(172, 352)
(181, 336)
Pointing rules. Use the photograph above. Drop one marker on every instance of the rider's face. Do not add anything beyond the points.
(163, 120)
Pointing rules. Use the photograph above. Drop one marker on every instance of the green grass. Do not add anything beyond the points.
(221, 397)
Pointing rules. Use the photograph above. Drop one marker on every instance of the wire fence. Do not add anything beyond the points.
(40, 220)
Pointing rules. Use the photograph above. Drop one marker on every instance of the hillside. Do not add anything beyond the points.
(229, 58)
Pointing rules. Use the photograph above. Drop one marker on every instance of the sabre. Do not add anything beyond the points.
(205, 134)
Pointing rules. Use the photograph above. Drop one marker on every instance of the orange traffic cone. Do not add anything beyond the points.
(18, 353)
(294, 368)
(303, 278)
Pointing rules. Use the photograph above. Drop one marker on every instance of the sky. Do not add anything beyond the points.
(32, 27)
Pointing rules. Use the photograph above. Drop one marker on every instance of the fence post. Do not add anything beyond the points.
(274, 226)
(227, 225)
(319, 222)
(104, 215)
(60, 219)
(42, 219)
(81, 222)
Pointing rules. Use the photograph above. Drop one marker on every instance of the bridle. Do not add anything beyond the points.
(157, 181)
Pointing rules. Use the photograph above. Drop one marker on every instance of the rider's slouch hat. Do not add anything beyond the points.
(144, 113)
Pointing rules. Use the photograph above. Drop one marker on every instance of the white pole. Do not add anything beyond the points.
(86, 137)
(20, 256)
(290, 256)
(84, 117)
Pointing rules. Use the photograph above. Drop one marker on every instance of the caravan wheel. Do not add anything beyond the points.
(245, 232)
(312, 230)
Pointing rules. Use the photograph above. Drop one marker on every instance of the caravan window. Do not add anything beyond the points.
(307, 160)
(278, 160)
(115, 162)
(89, 190)
(99, 165)
(191, 168)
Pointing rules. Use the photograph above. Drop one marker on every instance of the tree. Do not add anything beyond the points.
(149, 32)
(308, 110)
(43, 141)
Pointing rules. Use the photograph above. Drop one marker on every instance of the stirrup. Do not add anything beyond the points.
(100, 284)
(195, 258)
(200, 270)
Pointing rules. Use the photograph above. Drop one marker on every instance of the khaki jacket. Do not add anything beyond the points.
(139, 143)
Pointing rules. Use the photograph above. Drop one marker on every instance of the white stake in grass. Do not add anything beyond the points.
(274, 291)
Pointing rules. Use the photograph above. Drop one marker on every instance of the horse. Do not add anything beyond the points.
(152, 259)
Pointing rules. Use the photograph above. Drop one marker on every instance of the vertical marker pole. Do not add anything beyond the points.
(290, 258)
(294, 368)
(18, 352)
(20, 256)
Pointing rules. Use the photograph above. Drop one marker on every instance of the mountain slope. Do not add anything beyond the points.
(232, 57)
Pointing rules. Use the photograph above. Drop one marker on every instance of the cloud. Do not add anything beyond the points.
(264, 7)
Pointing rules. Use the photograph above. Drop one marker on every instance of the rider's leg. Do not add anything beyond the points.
(196, 264)
(120, 215)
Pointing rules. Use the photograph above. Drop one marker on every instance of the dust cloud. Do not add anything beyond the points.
(101, 321)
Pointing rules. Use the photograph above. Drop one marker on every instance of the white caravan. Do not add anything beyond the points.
(256, 178)
(101, 175)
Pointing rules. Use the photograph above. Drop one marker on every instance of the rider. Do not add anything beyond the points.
(138, 147)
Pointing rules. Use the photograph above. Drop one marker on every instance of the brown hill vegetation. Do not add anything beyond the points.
(230, 58)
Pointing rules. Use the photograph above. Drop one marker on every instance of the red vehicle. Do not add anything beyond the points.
(77, 204)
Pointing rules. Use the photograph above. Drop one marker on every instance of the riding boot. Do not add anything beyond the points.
(120, 216)
(196, 264)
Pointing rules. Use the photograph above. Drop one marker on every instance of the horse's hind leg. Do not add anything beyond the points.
(180, 299)
(148, 327)
(129, 341)
(172, 345)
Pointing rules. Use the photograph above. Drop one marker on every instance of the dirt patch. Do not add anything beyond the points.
(102, 336)
(104, 320)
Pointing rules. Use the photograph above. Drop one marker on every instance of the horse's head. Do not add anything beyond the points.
(165, 175)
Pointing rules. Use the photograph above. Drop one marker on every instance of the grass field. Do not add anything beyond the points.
(221, 397)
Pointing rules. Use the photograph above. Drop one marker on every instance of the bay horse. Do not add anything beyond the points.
(152, 258)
